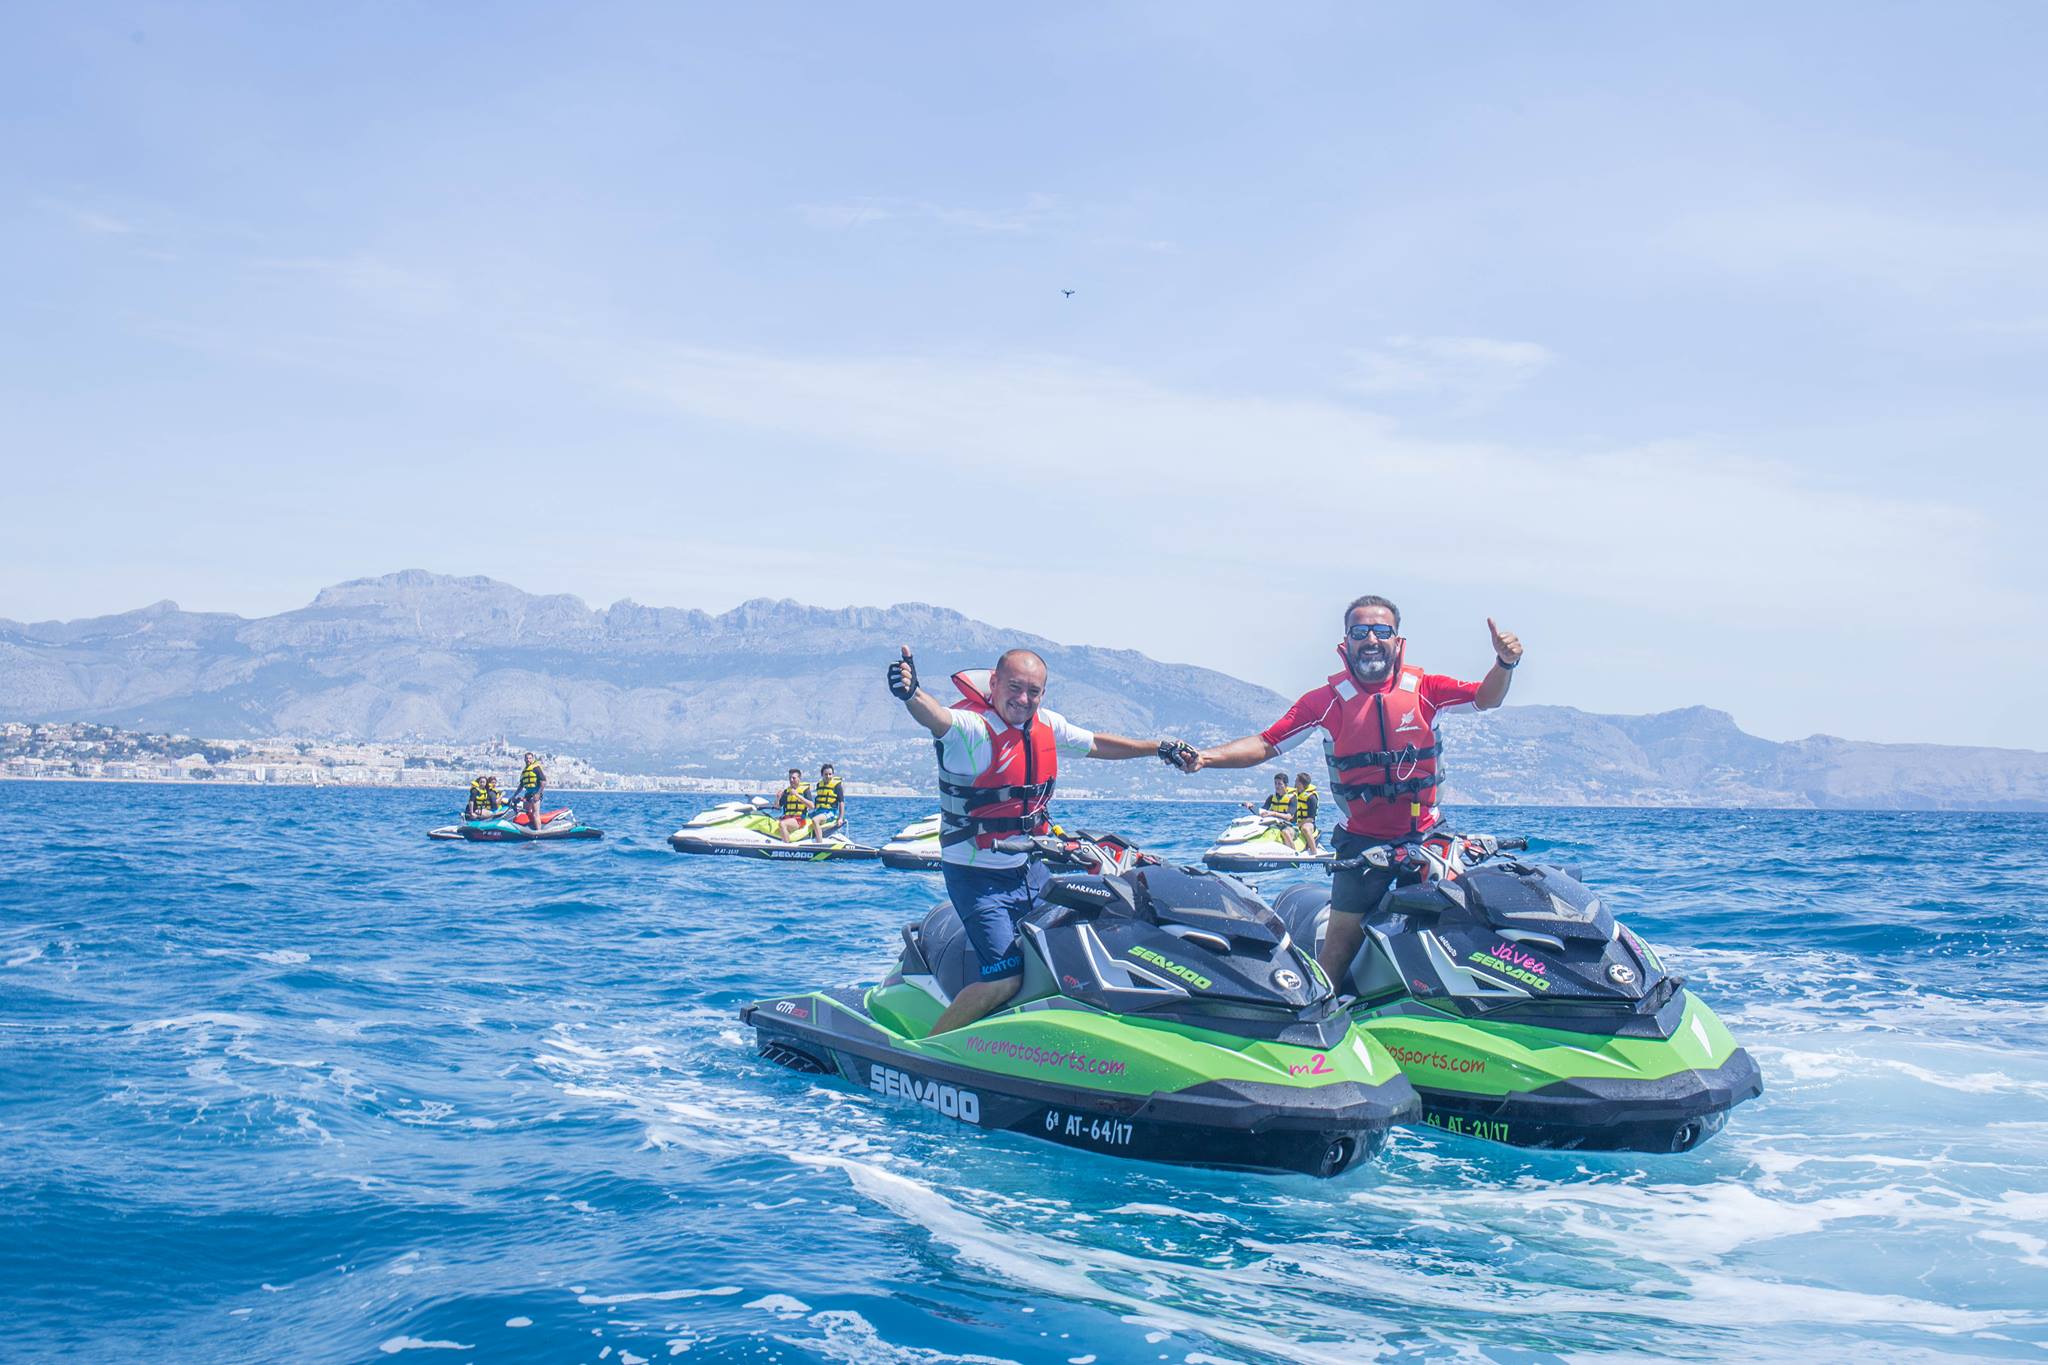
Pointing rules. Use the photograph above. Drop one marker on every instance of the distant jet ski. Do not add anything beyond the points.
(745, 829)
(516, 829)
(915, 847)
(1253, 844)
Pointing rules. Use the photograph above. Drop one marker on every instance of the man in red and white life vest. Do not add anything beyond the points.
(1378, 718)
(998, 757)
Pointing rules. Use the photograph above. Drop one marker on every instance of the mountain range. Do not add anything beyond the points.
(745, 693)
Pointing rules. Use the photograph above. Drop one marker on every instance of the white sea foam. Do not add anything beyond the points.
(396, 1344)
(844, 1335)
(200, 1020)
(660, 1295)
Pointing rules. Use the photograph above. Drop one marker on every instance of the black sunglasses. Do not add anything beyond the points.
(1373, 630)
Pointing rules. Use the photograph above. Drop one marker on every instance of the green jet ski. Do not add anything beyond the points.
(1523, 1012)
(1257, 842)
(1165, 1014)
(749, 829)
(915, 847)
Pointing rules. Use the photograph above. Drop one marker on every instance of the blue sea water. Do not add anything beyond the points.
(281, 1079)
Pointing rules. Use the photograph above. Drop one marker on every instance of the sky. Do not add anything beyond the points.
(1700, 346)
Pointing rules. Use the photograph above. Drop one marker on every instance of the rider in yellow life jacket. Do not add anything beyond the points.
(533, 780)
(1280, 805)
(793, 807)
(828, 800)
(1305, 813)
(482, 800)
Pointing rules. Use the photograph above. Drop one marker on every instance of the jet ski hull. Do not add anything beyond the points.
(804, 851)
(1236, 1123)
(1263, 861)
(1672, 1114)
(498, 832)
(1668, 1088)
(910, 859)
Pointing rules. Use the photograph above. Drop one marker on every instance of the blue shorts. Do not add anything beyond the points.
(990, 901)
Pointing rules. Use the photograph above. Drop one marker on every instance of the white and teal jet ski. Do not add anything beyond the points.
(749, 829)
(517, 829)
(915, 847)
(1254, 843)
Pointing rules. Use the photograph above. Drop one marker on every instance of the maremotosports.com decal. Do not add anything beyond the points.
(949, 1100)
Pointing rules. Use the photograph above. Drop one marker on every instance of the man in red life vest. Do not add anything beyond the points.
(1378, 718)
(998, 756)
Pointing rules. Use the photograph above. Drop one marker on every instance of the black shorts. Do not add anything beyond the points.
(1359, 890)
(990, 901)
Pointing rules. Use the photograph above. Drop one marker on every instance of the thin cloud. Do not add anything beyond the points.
(91, 221)
(1692, 526)
(372, 279)
(850, 213)
(1473, 370)
(856, 213)
(1871, 245)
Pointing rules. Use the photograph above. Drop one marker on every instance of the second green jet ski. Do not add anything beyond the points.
(1164, 1014)
(1523, 1012)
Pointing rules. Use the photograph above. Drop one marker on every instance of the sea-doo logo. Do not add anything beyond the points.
(964, 1105)
(1620, 975)
(1508, 969)
(1286, 980)
(1187, 974)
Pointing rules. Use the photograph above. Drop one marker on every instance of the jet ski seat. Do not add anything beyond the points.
(942, 939)
(1298, 907)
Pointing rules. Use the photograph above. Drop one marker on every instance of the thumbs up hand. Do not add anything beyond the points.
(1507, 647)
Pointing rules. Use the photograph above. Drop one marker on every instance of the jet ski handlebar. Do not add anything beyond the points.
(1072, 851)
(1471, 849)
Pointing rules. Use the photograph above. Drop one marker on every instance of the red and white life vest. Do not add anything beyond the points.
(1009, 795)
(1382, 752)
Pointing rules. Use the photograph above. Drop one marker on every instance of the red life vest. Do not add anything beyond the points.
(1009, 795)
(1383, 753)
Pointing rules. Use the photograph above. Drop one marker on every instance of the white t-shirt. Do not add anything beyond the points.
(966, 750)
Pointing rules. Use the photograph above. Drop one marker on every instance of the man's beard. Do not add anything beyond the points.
(1372, 664)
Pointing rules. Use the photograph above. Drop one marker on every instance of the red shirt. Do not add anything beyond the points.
(1317, 710)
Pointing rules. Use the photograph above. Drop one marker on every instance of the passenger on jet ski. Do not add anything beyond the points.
(1278, 808)
(828, 801)
(793, 807)
(484, 801)
(998, 752)
(1378, 717)
(1305, 805)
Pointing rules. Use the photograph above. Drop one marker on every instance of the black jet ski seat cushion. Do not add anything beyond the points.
(1298, 907)
(943, 940)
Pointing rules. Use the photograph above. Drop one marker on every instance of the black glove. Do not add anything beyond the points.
(903, 677)
(1176, 753)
